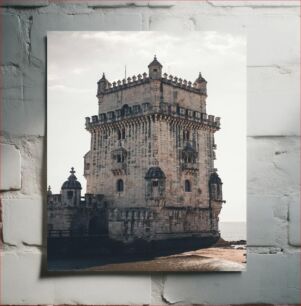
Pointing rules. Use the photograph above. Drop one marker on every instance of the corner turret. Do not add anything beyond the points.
(215, 187)
(201, 84)
(155, 69)
(102, 85)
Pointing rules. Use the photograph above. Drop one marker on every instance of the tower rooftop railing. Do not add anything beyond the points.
(184, 84)
(144, 78)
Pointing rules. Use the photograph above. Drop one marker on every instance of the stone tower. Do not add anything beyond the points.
(152, 156)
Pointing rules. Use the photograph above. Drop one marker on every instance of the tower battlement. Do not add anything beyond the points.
(164, 110)
(144, 78)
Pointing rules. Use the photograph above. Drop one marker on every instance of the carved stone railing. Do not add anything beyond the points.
(119, 168)
(189, 167)
(130, 213)
(123, 84)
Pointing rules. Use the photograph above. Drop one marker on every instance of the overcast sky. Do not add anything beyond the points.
(76, 61)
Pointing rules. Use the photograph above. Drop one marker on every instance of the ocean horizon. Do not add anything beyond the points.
(233, 230)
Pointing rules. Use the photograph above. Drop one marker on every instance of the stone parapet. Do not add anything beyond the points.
(144, 78)
(165, 111)
(183, 84)
(123, 84)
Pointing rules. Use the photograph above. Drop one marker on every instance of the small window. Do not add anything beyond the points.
(155, 183)
(187, 186)
(120, 185)
(69, 194)
(155, 70)
(123, 134)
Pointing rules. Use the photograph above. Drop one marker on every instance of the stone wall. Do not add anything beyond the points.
(149, 140)
(273, 271)
(127, 224)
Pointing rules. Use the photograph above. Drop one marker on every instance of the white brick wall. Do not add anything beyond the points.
(267, 280)
(23, 219)
(273, 272)
(10, 170)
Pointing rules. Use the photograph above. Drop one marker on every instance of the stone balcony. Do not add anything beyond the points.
(189, 167)
(119, 168)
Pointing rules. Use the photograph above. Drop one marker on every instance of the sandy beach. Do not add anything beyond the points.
(206, 260)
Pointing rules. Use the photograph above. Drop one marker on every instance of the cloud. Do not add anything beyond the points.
(78, 70)
(64, 88)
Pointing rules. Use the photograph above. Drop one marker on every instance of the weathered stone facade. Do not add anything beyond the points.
(150, 168)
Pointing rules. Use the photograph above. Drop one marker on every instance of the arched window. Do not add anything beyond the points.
(186, 135)
(119, 185)
(69, 194)
(123, 134)
(187, 186)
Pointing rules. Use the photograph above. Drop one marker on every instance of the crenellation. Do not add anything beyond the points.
(217, 121)
(170, 110)
(198, 87)
(94, 119)
(210, 118)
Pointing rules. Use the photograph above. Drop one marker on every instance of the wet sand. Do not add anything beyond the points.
(205, 260)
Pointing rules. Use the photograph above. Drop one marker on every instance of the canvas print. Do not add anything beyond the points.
(146, 151)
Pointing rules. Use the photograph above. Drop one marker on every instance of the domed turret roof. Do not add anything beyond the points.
(155, 62)
(154, 172)
(215, 179)
(72, 182)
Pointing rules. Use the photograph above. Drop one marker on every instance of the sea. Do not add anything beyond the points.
(233, 231)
